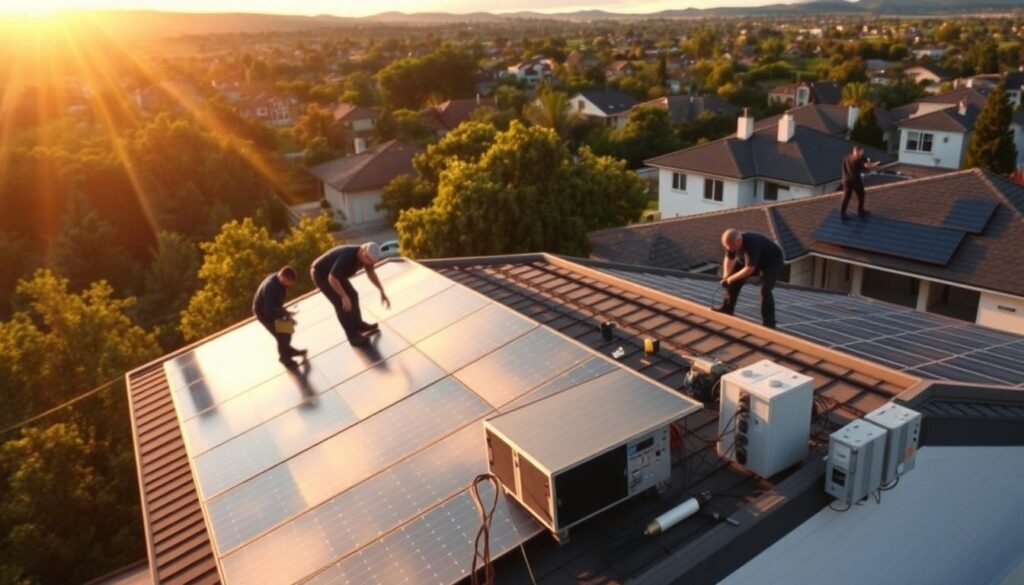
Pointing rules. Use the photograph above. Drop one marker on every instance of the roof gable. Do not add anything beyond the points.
(368, 170)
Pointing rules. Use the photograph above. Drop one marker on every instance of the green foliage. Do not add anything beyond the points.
(849, 71)
(318, 151)
(405, 126)
(87, 248)
(991, 146)
(444, 74)
(237, 260)
(551, 110)
(317, 122)
(648, 133)
(985, 56)
(897, 94)
(866, 130)
(358, 89)
(169, 280)
(856, 94)
(14, 262)
(524, 194)
(62, 517)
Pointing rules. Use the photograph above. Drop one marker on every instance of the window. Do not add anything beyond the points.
(919, 141)
(713, 189)
(261, 111)
(678, 182)
(580, 104)
(771, 191)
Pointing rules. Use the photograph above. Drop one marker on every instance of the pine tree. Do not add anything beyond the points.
(866, 130)
(991, 147)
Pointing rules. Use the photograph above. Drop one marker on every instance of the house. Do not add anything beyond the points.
(806, 92)
(611, 106)
(270, 107)
(979, 277)
(230, 88)
(775, 163)
(939, 138)
(446, 116)
(532, 71)
(619, 69)
(356, 122)
(581, 60)
(358, 468)
(687, 108)
(353, 184)
(930, 52)
(167, 96)
(928, 75)
(891, 119)
(835, 120)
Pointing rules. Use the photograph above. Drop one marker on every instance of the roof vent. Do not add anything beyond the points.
(787, 127)
(744, 125)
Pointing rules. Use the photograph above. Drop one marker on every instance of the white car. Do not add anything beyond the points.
(389, 249)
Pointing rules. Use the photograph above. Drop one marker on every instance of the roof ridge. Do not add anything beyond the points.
(986, 176)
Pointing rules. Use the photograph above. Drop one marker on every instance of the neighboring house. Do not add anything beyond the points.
(835, 120)
(939, 138)
(929, 75)
(687, 108)
(981, 282)
(931, 52)
(1015, 86)
(353, 184)
(532, 71)
(611, 106)
(359, 468)
(802, 93)
(167, 96)
(357, 123)
(619, 69)
(231, 89)
(890, 120)
(776, 163)
(447, 116)
(581, 60)
(270, 107)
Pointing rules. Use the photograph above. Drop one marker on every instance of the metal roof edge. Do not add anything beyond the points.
(146, 525)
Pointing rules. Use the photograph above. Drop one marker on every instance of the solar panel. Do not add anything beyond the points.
(892, 237)
(475, 336)
(970, 215)
(436, 313)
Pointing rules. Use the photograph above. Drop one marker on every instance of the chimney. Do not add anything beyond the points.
(962, 107)
(852, 113)
(360, 145)
(478, 99)
(744, 126)
(787, 127)
(970, 82)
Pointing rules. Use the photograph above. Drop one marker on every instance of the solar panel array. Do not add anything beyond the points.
(922, 344)
(892, 237)
(357, 468)
(970, 215)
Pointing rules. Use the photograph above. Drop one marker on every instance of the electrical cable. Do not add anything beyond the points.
(890, 486)
(61, 406)
(482, 542)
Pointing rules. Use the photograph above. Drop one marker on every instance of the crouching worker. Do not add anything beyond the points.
(268, 307)
(747, 254)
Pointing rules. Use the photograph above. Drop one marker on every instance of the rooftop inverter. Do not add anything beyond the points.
(574, 454)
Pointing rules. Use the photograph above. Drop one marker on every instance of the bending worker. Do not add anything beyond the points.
(331, 273)
(268, 307)
(746, 254)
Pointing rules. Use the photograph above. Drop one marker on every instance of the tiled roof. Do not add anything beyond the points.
(809, 158)
(987, 261)
(346, 112)
(947, 120)
(448, 115)
(829, 119)
(827, 92)
(610, 102)
(369, 170)
(686, 108)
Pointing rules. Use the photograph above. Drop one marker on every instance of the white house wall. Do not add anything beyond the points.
(673, 203)
(947, 150)
(1001, 312)
(1018, 141)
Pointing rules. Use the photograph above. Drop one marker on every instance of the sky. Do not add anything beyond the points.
(349, 8)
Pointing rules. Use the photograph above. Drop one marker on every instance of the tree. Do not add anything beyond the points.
(551, 110)
(856, 94)
(866, 130)
(991, 147)
(318, 151)
(87, 248)
(985, 56)
(648, 133)
(444, 74)
(317, 122)
(526, 193)
(237, 260)
(404, 126)
(358, 89)
(169, 280)
(897, 94)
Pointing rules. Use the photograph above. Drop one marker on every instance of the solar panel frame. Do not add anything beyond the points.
(970, 215)
(892, 237)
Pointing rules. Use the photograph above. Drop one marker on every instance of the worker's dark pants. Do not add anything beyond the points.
(769, 275)
(350, 321)
(284, 340)
(850, 189)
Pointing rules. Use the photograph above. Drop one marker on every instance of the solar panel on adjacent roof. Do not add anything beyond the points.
(362, 464)
(892, 237)
(970, 215)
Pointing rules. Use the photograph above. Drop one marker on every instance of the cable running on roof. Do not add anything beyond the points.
(46, 413)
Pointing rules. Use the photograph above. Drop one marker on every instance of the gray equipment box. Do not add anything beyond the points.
(855, 456)
(903, 428)
(574, 454)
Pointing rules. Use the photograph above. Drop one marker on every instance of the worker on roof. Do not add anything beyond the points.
(268, 307)
(331, 273)
(746, 254)
(853, 165)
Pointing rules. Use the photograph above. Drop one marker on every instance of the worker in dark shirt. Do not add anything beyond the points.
(746, 254)
(331, 273)
(853, 165)
(268, 307)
